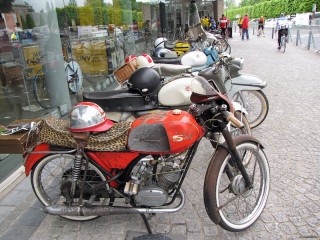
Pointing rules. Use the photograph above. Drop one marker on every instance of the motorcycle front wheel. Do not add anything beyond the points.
(53, 174)
(256, 104)
(228, 202)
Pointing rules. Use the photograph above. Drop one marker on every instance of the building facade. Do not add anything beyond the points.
(44, 44)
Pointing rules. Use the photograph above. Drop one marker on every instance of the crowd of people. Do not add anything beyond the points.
(243, 24)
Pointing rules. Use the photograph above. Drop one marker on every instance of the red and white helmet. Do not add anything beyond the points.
(130, 57)
(88, 117)
(144, 60)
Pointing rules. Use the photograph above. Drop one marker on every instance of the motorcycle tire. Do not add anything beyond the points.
(52, 171)
(227, 201)
(256, 104)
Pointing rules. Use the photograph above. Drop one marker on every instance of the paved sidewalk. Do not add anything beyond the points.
(290, 134)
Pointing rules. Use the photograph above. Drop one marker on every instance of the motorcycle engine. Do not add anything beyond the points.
(153, 192)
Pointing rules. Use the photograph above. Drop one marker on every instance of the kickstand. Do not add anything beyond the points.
(146, 223)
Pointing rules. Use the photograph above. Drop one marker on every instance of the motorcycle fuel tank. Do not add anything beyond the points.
(194, 59)
(164, 133)
(176, 93)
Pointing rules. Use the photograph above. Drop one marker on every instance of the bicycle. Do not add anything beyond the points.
(74, 79)
(283, 41)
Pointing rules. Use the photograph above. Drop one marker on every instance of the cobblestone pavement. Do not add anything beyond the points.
(290, 134)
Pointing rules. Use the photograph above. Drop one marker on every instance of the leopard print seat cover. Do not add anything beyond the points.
(55, 131)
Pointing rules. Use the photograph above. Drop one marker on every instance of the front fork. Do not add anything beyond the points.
(234, 153)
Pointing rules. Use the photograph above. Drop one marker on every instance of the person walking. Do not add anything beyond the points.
(223, 23)
(245, 27)
(261, 26)
(240, 25)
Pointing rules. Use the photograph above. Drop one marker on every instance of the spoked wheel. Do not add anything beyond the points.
(224, 46)
(74, 76)
(51, 182)
(256, 104)
(228, 202)
(40, 90)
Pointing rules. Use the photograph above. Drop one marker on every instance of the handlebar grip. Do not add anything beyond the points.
(234, 120)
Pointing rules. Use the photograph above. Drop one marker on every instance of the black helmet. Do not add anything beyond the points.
(145, 80)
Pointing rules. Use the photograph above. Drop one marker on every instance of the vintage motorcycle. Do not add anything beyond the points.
(84, 172)
(146, 93)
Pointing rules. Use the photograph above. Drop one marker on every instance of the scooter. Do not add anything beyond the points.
(146, 93)
(246, 89)
(193, 61)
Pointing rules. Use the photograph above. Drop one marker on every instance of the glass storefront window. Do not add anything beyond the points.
(52, 51)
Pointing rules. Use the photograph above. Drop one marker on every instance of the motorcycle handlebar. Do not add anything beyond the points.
(230, 117)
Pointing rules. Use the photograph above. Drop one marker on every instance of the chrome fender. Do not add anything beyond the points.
(244, 82)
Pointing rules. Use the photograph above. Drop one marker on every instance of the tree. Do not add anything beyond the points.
(24, 23)
(6, 6)
(29, 22)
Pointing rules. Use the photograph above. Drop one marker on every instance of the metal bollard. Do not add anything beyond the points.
(272, 33)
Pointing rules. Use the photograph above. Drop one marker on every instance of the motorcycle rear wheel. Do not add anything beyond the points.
(48, 174)
(227, 201)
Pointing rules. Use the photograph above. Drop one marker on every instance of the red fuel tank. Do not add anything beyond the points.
(166, 132)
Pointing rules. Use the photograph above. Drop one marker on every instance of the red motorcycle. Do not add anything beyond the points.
(92, 167)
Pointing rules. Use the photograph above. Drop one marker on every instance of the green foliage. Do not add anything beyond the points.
(89, 15)
(86, 16)
(6, 6)
(29, 22)
(271, 8)
(23, 22)
(97, 15)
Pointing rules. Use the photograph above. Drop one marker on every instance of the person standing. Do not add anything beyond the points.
(245, 27)
(223, 22)
(212, 23)
(240, 25)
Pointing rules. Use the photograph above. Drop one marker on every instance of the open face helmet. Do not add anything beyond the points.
(144, 60)
(159, 42)
(88, 117)
(130, 57)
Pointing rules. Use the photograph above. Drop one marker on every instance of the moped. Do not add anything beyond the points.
(88, 166)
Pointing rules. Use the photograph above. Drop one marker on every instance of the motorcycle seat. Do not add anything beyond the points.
(171, 69)
(217, 78)
(121, 100)
(167, 60)
(169, 45)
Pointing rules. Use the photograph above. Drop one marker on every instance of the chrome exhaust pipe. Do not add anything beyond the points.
(109, 210)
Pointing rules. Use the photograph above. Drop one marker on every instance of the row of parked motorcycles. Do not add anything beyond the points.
(128, 151)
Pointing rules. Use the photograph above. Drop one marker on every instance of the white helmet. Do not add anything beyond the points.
(160, 52)
(144, 60)
(159, 42)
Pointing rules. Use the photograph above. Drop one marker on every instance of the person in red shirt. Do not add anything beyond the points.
(223, 23)
(245, 27)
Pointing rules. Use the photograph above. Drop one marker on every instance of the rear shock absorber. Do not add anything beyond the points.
(76, 172)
